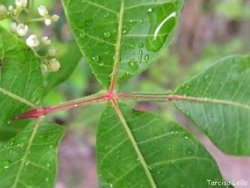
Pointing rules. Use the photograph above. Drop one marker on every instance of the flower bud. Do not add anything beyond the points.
(11, 8)
(13, 27)
(42, 10)
(54, 18)
(21, 3)
(32, 41)
(22, 29)
(53, 65)
(3, 11)
(44, 68)
(52, 51)
(46, 40)
(47, 21)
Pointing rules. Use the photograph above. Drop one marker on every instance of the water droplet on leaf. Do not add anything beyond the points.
(140, 45)
(95, 58)
(159, 29)
(5, 164)
(146, 58)
(133, 65)
(107, 34)
(150, 10)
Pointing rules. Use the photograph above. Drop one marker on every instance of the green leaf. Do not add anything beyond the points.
(20, 77)
(139, 149)
(29, 159)
(119, 36)
(218, 102)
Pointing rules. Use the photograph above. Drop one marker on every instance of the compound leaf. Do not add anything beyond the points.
(20, 77)
(218, 102)
(139, 149)
(129, 33)
(29, 159)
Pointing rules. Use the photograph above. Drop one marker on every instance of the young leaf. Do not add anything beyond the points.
(121, 38)
(29, 159)
(217, 101)
(139, 149)
(20, 77)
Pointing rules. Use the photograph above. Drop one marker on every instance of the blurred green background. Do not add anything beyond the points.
(208, 30)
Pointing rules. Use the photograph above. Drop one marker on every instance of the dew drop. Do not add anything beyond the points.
(132, 46)
(106, 15)
(82, 35)
(140, 56)
(48, 165)
(150, 10)
(133, 65)
(50, 146)
(190, 151)
(159, 31)
(140, 45)
(95, 58)
(47, 179)
(101, 64)
(146, 58)
(140, 21)
(170, 148)
(5, 164)
(107, 34)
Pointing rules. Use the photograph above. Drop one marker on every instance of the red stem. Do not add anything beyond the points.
(35, 113)
(107, 96)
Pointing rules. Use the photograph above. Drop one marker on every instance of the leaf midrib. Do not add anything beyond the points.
(118, 47)
(18, 98)
(208, 100)
(135, 145)
(23, 160)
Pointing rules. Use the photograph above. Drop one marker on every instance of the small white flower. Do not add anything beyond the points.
(42, 10)
(54, 18)
(53, 65)
(47, 21)
(44, 68)
(32, 41)
(52, 51)
(46, 40)
(3, 11)
(21, 3)
(13, 27)
(22, 29)
(11, 8)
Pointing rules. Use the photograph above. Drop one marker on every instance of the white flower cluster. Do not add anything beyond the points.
(50, 64)
(42, 10)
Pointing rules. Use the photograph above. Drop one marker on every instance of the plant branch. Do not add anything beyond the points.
(173, 97)
(42, 111)
(139, 96)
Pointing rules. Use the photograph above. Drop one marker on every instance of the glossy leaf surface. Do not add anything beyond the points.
(142, 150)
(29, 159)
(20, 77)
(129, 33)
(218, 102)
